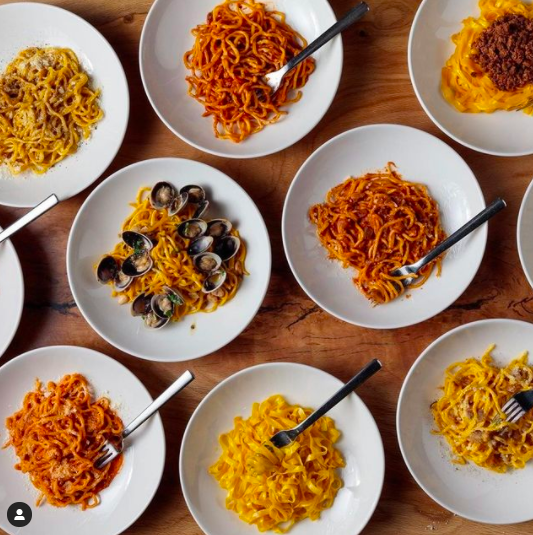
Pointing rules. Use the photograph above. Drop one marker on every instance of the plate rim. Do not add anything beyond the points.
(75, 224)
(476, 148)
(156, 417)
(250, 369)
(410, 373)
(399, 324)
(222, 153)
(121, 73)
(4, 347)
(519, 230)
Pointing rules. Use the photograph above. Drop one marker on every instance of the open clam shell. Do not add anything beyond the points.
(201, 209)
(162, 195)
(214, 281)
(107, 270)
(153, 321)
(137, 241)
(141, 305)
(227, 247)
(137, 264)
(218, 228)
(122, 281)
(192, 228)
(207, 262)
(196, 193)
(179, 203)
(200, 245)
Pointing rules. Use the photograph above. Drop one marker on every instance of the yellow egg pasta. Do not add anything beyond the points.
(302, 480)
(46, 108)
(469, 415)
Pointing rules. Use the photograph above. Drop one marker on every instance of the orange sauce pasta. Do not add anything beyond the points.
(377, 223)
(240, 43)
(303, 480)
(46, 108)
(464, 84)
(469, 415)
(57, 436)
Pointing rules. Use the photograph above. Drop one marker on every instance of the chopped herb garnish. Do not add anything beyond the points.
(175, 299)
(168, 313)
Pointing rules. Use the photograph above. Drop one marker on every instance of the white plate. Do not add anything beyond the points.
(524, 232)
(468, 491)
(360, 445)
(95, 232)
(430, 46)
(24, 25)
(136, 483)
(420, 157)
(167, 36)
(11, 294)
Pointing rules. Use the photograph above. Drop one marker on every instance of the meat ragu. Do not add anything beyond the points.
(505, 52)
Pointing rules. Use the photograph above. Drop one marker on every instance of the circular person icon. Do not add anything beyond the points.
(19, 514)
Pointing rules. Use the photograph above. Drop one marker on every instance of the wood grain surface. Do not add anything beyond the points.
(375, 87)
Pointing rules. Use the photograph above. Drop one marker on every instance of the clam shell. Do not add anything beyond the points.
(162, 195)
(192, 228)
(227, 247)
(137, 241)
(107, 270)
(214, 281)
(218, 228)
(207, 262)
(137, 264)
(200, 245)
(196, 193)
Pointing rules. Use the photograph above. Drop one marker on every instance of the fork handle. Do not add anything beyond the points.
(167, 395)
(352, 16)
(358, 379)
(465, 230)
(27, 218)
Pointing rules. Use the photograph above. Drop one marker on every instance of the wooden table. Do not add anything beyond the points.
(375, 87)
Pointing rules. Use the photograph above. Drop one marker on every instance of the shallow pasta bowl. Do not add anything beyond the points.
(135, 485)
(419, 157)
(360, 445)
(24, 25)
(468, 491)
(95, 232)
(11, 294)
(501, 133)
(524, 230)
(167, 36)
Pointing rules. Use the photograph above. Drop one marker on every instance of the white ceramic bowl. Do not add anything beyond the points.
(11, 294)
(167, 36)
(23, 25)
(360, 445)
(420, 157)
(468, 491)
(430, 46)
(135, 485)
(524, 232)
(95, 231)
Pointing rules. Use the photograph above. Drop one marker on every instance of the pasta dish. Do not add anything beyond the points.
(303, 479)
(491, 66)
(377, 223)
(57, 436)
(240, 43)
(46, 108)
(170, 262)
(469, 415)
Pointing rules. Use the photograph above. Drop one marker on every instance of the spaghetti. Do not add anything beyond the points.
(57, 436)
(469, 415)
(173, 266)
(239, 44)
(377, 223)
(302, 484)
(464, 82)
(46, 108)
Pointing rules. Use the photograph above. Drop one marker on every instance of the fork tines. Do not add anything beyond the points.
(513, 411)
